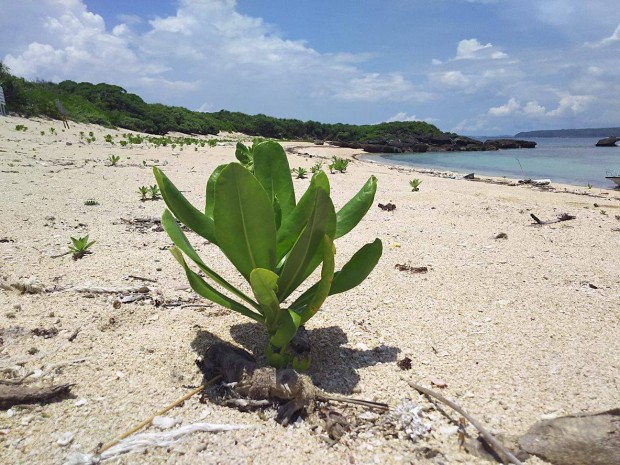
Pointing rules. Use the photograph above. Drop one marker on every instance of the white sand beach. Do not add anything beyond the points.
(519, 328)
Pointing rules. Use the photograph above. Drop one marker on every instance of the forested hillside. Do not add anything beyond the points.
(113, 106)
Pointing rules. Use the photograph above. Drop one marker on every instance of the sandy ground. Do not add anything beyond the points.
(520, 329)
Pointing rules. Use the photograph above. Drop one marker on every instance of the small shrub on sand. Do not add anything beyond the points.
(155, 193)
(113, 160)
(274, 242)
(338, 164)
(80, 246)
(415, 184)
(300, 172)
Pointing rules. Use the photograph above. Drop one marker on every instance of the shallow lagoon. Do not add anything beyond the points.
(574, 161)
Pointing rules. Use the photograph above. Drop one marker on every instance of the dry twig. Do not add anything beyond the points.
(149, 420)
(485, 433)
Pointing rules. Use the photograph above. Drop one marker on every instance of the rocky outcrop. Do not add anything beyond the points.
(608, 142)
(501, 144)
(434, 143)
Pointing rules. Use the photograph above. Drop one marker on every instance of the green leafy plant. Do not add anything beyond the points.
(155, 192)
(589, 186)
(245, 155)
(338, 164)
(52, 131)
(113, 160)
(21, 127)
(415, 184)
(274, 241)
(91, 202)
(81, 135)
(108, 138)
(143, 191)
(80, 246)
(318, 166)
(42, 133)
(300, 172)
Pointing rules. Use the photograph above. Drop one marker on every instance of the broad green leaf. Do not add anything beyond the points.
(205, 290)
(307, 252)
(324, 285)
(210, 191)
(244, 220)
(272, 170)
(264, 287)
(356, 208)
(293, 224)
(242, 152)
(357, 268)
(288, 325)
(180, 240)
(182, 209)
(352, 274)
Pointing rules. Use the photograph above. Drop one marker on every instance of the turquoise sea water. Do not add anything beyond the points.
(572, 161)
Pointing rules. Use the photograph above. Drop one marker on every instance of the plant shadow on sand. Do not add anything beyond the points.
(333, 366)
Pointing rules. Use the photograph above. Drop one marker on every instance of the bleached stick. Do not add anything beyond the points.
(485, 433)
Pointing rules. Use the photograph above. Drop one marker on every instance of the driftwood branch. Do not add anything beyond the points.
(562, 217)
(140, 278)
(485, 433)
(18, 394)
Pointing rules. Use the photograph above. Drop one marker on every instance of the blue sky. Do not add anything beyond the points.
(484, 67)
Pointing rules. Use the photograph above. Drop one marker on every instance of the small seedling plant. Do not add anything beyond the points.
(318, 166)
(415, 184)
(154, 192)
(113, 160)
(143, 191)
(338, 164)
(274, 241)
(300, 172)
(80, 247)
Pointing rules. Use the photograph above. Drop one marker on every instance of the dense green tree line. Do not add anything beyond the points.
(113, 106)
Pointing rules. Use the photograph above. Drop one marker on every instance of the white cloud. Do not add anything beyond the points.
(452, 79)
(377, 87)
(401, 116)
(472, 49)
(613, 38)
(571, 104)
(568, 104)
(505, 110)
(533, 109)
(238, 61)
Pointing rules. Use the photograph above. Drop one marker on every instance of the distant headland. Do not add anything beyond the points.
(588, 132)
(112, 106)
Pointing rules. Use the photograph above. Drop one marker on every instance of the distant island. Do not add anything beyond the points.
(589, 132)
